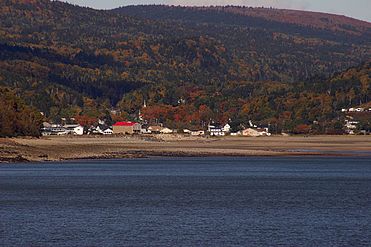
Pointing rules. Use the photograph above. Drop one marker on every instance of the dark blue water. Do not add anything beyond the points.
(188, 202)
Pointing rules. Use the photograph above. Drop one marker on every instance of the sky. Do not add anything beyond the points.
(360, 9)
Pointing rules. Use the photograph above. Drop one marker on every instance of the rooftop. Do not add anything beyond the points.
(128, 124)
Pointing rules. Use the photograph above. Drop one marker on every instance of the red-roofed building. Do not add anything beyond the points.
(128, 128)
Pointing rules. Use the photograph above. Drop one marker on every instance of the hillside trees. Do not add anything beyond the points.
(190, 65)
(16, 118)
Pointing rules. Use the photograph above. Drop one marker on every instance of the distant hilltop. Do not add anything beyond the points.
(311, 19)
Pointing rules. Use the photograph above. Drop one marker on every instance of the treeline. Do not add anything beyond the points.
(16, 118)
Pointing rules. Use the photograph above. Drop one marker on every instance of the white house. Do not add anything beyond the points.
(255, 132)
(108, 131)
(73, 129)
(145, 131)
(227, 128)
(99, 129)
(166, 131)
(78, 130)
(351, 124)
(187, 131)
(155, 129)
(215, 130)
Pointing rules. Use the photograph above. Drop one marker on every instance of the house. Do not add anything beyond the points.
(78, 130)
(107, 131)
(74, 129)
(187, 131)
(100, 129)
(145, 131)
(227, 128)
(350, 127)
(198, 133)
(166, 131)
(104, 129)
(54, 129)
(94, 131)
(215, 130)
(126, 128)
(155, 129)
(255, 132)
(46, 129)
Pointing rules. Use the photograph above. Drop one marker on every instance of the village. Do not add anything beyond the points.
(136, 128)
(142, 127)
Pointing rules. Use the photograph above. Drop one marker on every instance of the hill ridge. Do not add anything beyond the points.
(298, 17)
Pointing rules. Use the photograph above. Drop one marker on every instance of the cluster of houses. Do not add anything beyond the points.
(253, 130)
(59, 130)
(350, 126)
(131, 128)
(74, 129)
(354, 109)
(212, 130)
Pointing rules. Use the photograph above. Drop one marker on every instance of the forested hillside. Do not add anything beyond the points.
(314, 104)
(189, 64)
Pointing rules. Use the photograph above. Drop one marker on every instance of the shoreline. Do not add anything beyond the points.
(67, 148)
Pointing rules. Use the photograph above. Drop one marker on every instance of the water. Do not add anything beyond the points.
(188, 202)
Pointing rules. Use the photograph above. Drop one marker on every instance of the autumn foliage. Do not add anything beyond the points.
(16, 118)
(190, 65)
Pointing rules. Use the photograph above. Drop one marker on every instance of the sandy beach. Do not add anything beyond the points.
(103, 147)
